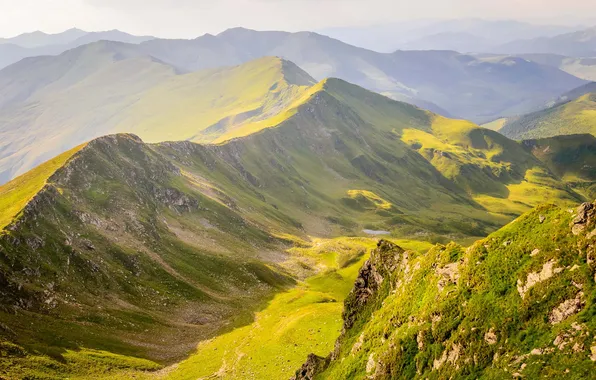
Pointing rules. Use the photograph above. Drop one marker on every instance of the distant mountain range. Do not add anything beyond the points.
(583, 68)
(465, 35)
(575, 44)
(108, 86)
(39, 44)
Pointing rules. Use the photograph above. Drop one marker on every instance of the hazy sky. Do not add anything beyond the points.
(190, 18)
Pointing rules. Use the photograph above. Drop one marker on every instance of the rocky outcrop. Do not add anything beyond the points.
(314, 364)
(379, 268)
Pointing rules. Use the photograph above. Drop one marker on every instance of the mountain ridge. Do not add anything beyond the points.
(545, 294)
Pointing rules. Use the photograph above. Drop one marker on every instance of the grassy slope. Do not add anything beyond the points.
(303, 320)
(572, 158)
(577, 116)
(434, 323)
(97, 264)
(108, 88)
(17, 193)
(207, 104)
(189, 225)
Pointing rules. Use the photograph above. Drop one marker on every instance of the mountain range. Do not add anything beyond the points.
(463, 35)
(212, 208)
(110, 87)
(574, 44)
(37, 44)
(137, 230)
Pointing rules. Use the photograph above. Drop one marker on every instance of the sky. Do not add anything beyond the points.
(191, 18)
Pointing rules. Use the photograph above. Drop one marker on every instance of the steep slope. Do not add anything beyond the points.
(214, 104)
(575, 44)
(121, 251)
(518, 303)
(572, 158)
(52, 104)
(109, 87)
(572, 113)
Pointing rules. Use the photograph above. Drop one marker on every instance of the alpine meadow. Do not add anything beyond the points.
(392, 191)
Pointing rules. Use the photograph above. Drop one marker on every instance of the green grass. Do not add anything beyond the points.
(295, 323)
(18, 192)
(577, 116)
(407, 330)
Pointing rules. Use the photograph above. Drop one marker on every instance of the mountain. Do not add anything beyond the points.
(518, 303)
(572, 158)
(134, 252)
(223, 104)
(455, 41)
(39, 39)
(96, 86)
(45, 101)
(460, 84)
(573, 113)
(389, 37)
(40, 44)
(584, 68)
(575, 44)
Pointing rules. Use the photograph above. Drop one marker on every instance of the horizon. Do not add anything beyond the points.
(318, 31)
(187, 19)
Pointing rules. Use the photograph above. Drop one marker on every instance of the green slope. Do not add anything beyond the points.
(144, 250)
(15, 195)
(519, 303)
(108, 87)
(575, 113)
(208, 104)
(572, 158)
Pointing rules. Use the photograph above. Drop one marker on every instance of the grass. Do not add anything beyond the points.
(18, 192)
(577, 116)
(207, 105)
(295, 323)
(407, 330)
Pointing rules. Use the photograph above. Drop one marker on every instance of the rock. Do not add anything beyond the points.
(593, 352)
(567, 309)
(542, 218)
(382, 263)
(314, 365)
(449, 274)
(371, 365)
(585, 213)
(534, 278)
(490, 337)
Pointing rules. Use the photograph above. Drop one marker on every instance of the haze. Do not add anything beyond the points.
(188, 18)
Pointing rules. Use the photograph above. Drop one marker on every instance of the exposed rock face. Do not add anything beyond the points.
(567, 309)
(548, 271)
(374, 272)
(314, 364)
(585, 214)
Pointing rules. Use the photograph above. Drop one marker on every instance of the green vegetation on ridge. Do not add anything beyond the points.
(519, 303)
